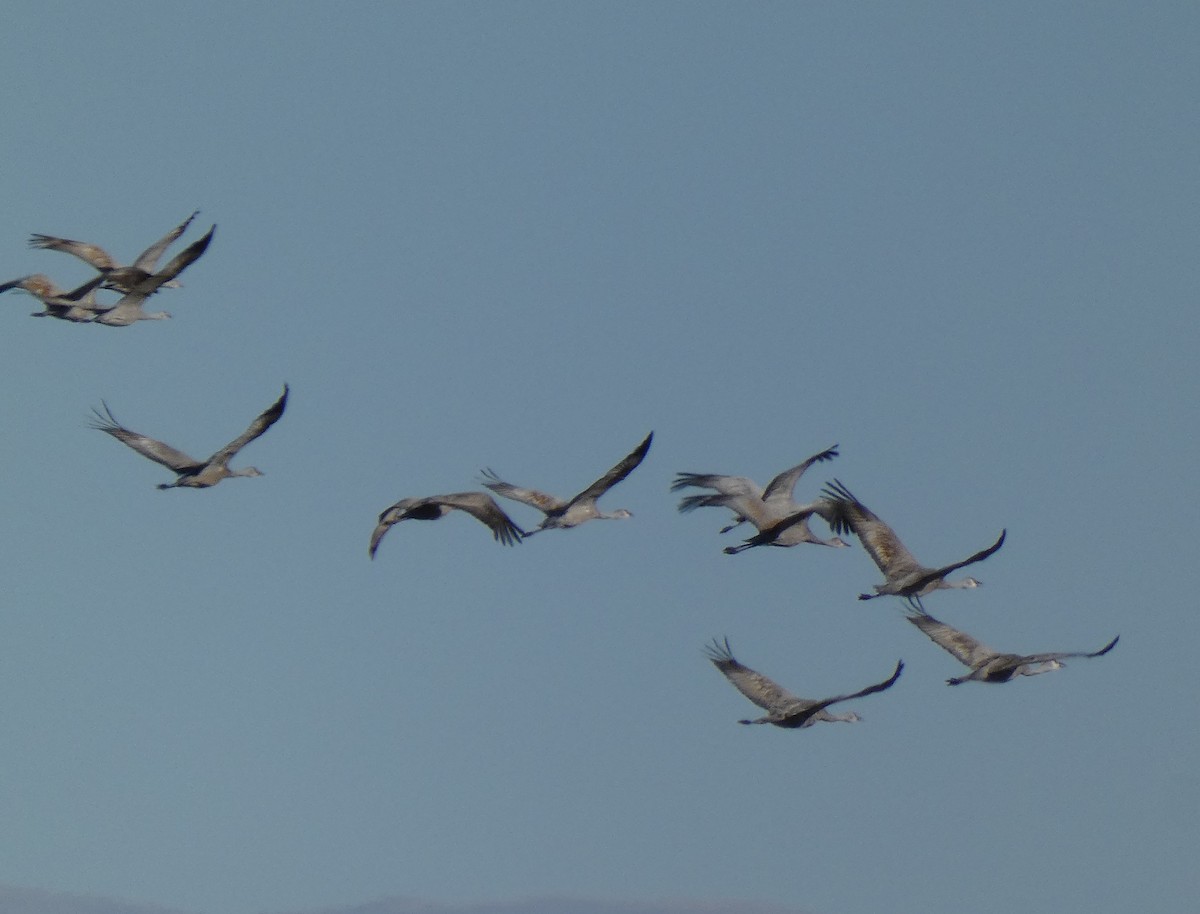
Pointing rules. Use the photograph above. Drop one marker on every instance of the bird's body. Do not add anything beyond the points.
(764, 508)
(906, 577)
(114, 275)
(78, 305)
(128, 310)
(783, 708)
(192, 473)
(562, 514)
(792, 530)
(986, 664)
(479, 505)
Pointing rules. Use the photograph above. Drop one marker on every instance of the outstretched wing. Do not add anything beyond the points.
(39, 285)
(545, 503)
(934, 575)
(1063, 655)
(483, 508)
(783, 484)
(824, 703)
(959, 644)
(764, 692)
(479, 505)
(91, 253)
(715, 500)
(726, 485)
(877, 538)
(156, 450)
(264, 421)
(616, 474)
(389, 517)
(148, 259)
(175, 265)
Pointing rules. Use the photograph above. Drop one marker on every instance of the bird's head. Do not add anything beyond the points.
(1046, 666)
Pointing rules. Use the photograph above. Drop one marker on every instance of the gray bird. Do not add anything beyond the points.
(78, 305)
(906, 577)
(128, 310)
(479, 505)
(783, 708)
(572, 512)
(192, 473)
(986, 664)
(113, 275)
(764, 508)
(792, 530)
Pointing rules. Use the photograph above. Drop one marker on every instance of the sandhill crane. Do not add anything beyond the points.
(78, 305)
(129, 309)
(988, 665)
(115, 276)
(783, 708)
(792, 531)
(581, 508)
(479, 505)
(761, 507)
(906, 577)
(192, 473)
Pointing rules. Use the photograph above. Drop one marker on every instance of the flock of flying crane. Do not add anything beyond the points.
(779, 520)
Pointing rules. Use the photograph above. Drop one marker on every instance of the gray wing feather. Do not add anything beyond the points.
(157, 451)
(175, 265)
(869, 690)
(726, 485)
(1063, 655)
(478, 504)
(617, 473)
(533, 497)
(979, 556)
(483, 508)
(877, 538)
(964, 648)
(784, 484)
(764, 692)
(264, 421)
(92, 254)
(148, 259)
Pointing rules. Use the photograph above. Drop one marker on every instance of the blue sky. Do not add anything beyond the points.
(957, 239)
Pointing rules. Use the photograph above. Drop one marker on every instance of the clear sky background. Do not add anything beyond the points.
(958, 239)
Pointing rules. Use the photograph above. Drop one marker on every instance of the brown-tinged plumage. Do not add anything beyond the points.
(114, 275)
(906, 577)
(78, 305)
(767, 509)
(986, 664)
(128, 310)
(479, 505)
(560, 513)
(783, 708)
(192, 473)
